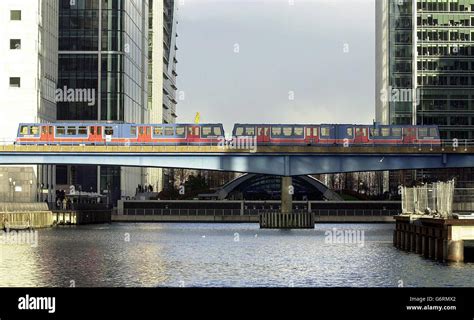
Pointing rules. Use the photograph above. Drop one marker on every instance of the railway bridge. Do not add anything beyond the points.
(284, 161)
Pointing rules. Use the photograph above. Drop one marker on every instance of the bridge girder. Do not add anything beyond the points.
(276, 164)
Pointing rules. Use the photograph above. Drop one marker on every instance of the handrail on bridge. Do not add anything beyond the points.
(454, 145)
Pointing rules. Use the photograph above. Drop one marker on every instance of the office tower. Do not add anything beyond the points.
(28, 79)
(425, 72)
(104, 47)
(162, 76)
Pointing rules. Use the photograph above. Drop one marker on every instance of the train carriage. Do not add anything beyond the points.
(338, 134)
(118, 134)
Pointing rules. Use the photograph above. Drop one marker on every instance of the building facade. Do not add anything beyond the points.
(105, 48)
(425, 70)
(425, 66)
(162, 74)
(29, 73)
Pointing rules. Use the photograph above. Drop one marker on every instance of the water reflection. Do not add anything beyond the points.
(219, 255)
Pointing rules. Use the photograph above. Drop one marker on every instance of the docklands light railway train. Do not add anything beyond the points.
(104, 133)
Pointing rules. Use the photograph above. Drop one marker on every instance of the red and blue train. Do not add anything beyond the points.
(103, 133)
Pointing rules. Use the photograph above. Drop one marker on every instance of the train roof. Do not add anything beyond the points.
(88, 123)
(333, 124)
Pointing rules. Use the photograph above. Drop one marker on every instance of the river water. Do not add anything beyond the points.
(156, 255)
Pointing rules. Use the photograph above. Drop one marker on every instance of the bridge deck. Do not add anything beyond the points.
(221, 150)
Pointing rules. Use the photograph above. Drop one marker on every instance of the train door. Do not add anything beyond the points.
(409, 135)
(95, 134)
(144, 134)
(361, 135)
(309, 137)
(263, 135)
(194, 134)
(47, 133)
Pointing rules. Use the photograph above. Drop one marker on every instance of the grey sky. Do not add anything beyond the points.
(282, 48)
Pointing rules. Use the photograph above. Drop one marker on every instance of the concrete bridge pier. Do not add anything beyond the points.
(287, 195)
(287, 219)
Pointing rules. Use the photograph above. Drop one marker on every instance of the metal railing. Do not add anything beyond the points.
(182, 212)
(8, 145)
(356, 212)
(256, 212)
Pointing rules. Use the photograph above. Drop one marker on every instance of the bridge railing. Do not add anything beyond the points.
(256, 212)
(447, 143)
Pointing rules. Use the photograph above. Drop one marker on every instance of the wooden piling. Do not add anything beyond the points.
(437, 239)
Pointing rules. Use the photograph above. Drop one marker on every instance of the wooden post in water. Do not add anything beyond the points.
(287, 219)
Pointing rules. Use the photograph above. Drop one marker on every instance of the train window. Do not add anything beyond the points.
(205, 131)
(169, 131)
(71, 131)
(287, 131)
(315, 132)
(82, 131)
(44, 130)
(325, 131)
(34, 130)
(299, 131)
(24, 130)
(409, 132)
(196, 131)
(217, 131)
(133, 131)
(60, 130)
(308, 132)
(148, 131)
(180, 131)
(276, 131)
(350, 132)
(50, 130)
(397, 132)
(361, 132)
(92, 129)
(239, 131)
(158, 131)
(423, 132)
(385, 132)
(374, 132)
(109, 131)
(433, 132)
(99, 131)
(249, 131)
(141, 131)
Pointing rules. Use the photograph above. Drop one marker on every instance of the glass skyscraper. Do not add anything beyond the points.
(104, 46)
(425, 68)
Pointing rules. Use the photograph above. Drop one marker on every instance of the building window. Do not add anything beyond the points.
(15, 44)
(15, 15)
(15, 82)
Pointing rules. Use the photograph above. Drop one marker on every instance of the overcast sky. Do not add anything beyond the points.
(244, 60)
